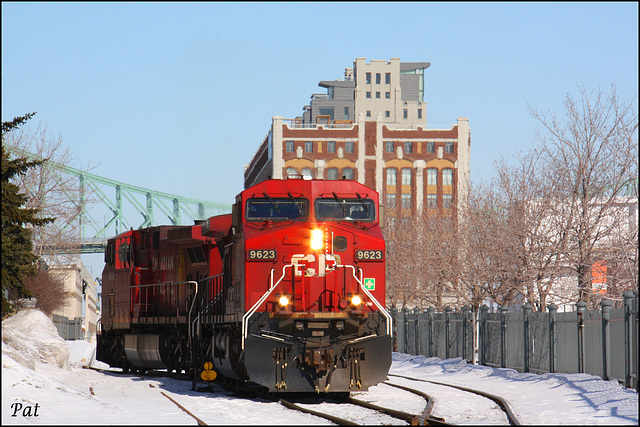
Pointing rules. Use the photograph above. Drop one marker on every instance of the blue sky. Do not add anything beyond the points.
(177, 97)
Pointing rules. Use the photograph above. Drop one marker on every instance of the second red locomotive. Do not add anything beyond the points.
(287, 291)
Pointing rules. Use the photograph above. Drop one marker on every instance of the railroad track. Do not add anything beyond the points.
(502, 403)
(329, 407)
(325, 405)
(334, 407)
(425, 418)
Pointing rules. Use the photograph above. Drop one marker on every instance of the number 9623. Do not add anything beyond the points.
(368, 255)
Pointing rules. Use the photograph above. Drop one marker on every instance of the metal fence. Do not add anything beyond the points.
(600, 342)
(69, 329)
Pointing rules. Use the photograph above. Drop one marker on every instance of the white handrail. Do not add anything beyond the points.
(254, 308)
(384, 312)
(195, 296)
(245, 318)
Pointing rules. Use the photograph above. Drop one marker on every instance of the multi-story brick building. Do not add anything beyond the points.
(388, 147)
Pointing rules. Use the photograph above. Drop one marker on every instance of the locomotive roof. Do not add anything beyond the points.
(312, 188)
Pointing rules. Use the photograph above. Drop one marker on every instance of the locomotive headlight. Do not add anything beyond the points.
(283, 300)
(356, 300)
(317, 239)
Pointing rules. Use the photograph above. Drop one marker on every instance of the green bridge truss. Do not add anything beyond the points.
(124, 199)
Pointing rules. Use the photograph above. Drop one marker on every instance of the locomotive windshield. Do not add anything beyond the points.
(345, 209)
(276, 209)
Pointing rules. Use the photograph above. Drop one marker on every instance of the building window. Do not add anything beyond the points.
(387, 113)
(369, 95)
(406, 176)
(308, 146)
(348, 146)
(405, 113)
(431, 147)
(346, 113)
(387, 95)
(432, 176)
(332, 173)
(446, 201)
(432, 201)
(378, 95)
(448, 147)
(368, 113)
(326, 111)
(406, 200)
(368, 78)
(419, 113)
(387, 78)
(408, 147)
(391, 201)
(307, 172)
(291, 172)
(331, 146)
(377, 78)
(347, 173)
(388, 146)
(447, 176)
(289, 145)
(391, 176)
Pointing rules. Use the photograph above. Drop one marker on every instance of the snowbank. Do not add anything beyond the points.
(29, 337)
(83, 354)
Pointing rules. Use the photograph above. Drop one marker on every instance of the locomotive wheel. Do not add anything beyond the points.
(177, 355)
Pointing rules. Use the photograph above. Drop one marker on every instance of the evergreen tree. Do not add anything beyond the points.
(18, 260)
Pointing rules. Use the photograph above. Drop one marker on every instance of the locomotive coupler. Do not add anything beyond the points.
(318, 359)
(314, 364)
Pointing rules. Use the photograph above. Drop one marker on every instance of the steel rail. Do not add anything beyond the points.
(200, 422)
(497, 399)
(273, 397)
(426, 417)
(405, 416)
(332, 418)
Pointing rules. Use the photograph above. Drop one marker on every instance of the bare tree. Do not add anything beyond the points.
(53, 192)
(511, 249)
(403, 277)
(421, 261)
(49, 291)
(439, 260)
(485, 258)
(537, 240)
(592, 152)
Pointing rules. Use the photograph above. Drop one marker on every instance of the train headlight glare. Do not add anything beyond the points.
(317, 239)
(356, 300)
(283, 300)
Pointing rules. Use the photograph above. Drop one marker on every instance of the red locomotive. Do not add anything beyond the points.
(287, 291)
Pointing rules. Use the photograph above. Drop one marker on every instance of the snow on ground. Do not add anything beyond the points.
(576, 399)
(43, 382)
